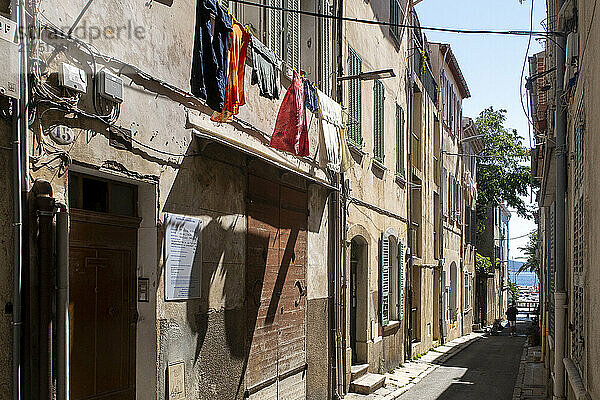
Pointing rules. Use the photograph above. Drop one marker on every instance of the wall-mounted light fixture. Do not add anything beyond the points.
(371, 75)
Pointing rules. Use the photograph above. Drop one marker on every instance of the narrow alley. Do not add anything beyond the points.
(487, 369)
(299, 199)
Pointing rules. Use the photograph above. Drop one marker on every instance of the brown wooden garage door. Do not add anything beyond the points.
(275, 287)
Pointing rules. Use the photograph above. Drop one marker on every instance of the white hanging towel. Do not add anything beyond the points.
(333, 149)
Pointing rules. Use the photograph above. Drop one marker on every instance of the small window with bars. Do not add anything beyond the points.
(354, 99)
(378, 120)
(399, 140)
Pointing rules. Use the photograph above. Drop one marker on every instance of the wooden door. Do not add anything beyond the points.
(102, 307)
(276, 288)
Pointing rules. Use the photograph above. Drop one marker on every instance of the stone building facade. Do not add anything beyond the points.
(564, 167)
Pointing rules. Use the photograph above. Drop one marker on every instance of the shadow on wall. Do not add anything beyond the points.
(209, 336)
(249, 274)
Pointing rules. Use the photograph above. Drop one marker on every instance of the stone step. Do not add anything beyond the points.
(356, 371)
(367, 383)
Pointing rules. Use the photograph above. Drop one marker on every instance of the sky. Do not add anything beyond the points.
(491, 64)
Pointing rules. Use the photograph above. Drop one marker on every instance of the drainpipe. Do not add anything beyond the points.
(339, 209)
(560, 295)
(45, 212)
(441, 319)
(408, 328)
(20, 187)
(62, 303)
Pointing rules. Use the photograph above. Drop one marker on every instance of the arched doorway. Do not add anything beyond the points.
(453, 291)
(358, 299)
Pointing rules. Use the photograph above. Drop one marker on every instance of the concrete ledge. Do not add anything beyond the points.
(575, 380)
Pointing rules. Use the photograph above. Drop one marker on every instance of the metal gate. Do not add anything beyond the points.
(275, 289)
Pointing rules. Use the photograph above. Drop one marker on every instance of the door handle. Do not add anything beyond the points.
(302, 293)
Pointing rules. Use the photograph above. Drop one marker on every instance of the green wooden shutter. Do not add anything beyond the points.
(394, 17)
(399, 140)
(400, 280)
(292, 35)
(276, 28)
(354, 99)
(379, 101)
(385, 278)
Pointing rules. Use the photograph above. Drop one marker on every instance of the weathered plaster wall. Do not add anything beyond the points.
(383, 347)
(208, 334)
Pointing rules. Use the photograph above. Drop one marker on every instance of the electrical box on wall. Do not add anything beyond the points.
(9, 69)
(72, 77)
(110, 86)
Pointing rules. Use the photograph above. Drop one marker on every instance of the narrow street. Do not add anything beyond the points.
(485, 370)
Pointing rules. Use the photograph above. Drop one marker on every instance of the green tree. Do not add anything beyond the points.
(503, 172)
(514, 291)
(532, 264)
(483, 265)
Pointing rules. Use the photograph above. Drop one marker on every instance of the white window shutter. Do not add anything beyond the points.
(292, 35)
(276, 28)
(385, 278)
(326, 53)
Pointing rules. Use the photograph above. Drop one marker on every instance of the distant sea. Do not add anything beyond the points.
(523, 278)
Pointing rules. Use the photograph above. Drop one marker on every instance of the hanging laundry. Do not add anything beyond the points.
(234, 96)
(333, 149)
(291, 132)
(211, 53)
(265, 70)
(310, 95)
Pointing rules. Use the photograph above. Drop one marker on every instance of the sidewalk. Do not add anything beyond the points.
(411, 373)
(531, 380)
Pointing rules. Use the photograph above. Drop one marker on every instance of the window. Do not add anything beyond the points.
(100, 195)
(392, 277)
(354, 99)
(399, 140)
(326, 46)
(467, 283)
(578, 255)
(378, 120)
(396, 17)
(284, 35)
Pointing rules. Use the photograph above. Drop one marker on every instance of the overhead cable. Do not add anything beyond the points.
(512, 32)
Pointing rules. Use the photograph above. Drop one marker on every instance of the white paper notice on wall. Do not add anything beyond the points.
(184, 257)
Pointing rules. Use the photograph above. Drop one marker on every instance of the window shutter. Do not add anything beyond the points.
(445, 191)
(355, 98)
(385, 278)
(276, 28)
(394, 17)
(399, 140)
(378, 121)
(326, 54)
(401, 280)
(292, 35)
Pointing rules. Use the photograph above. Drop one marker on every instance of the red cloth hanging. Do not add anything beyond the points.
(291, 131)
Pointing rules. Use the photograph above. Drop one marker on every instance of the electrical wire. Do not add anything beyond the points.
(384, 23)
(530, 122)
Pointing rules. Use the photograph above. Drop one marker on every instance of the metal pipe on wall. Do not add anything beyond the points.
(560, 233)
(45, 212)
(62, 303)
(20, 178)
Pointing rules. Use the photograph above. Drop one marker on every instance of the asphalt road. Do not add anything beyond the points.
(486, 370)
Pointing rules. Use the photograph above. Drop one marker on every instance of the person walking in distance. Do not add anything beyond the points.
(511, 316)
